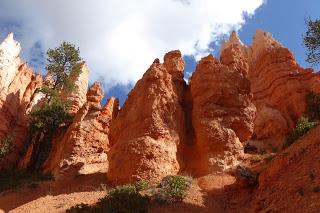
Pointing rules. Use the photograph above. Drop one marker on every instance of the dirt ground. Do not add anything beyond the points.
(206, 195)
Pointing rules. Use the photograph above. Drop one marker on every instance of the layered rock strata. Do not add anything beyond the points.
(279, 86)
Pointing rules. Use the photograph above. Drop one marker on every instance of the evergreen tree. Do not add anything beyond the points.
(46, 119)
(312, 41)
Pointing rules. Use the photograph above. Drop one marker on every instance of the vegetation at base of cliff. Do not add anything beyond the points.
(138, 197)
(5, 146)
(64, 62)
(17, 178)
(311, 120)
(173, 189)
(311, 40)
(302, 127)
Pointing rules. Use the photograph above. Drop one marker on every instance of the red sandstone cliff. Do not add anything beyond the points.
(279, 86)
(253, 94)
(18, 84)
(146, 134)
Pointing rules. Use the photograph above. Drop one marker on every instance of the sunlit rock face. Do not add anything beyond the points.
(253, 94)
(9, 61)
(279, 86)
(223, 112)
(18, 84)
(146, 134)
(84, 146)
(77, 97)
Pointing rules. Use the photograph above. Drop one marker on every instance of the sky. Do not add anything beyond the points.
(119, 39)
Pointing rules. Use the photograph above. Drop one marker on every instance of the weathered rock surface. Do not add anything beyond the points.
(291, 181)
(223, 111)
(146, 134)
(84, 146)
(279, 83)
(77, 97)
(18, 84)
(279, 86)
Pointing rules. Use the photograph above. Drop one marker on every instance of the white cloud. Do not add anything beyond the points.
(120, 38)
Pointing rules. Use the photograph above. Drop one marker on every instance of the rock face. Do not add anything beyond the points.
(77, 97)
(146, 134)
(84, 146)
(18, 84)
(223, 111)
(291, 178)
(9, 61)
(279, 86)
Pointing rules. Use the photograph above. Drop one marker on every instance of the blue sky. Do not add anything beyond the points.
(120, 43)
(283, 18)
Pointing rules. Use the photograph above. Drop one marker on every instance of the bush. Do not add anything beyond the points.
(313, 105)
(302, 127)
(49, 117)
(124, 199)
(137, 197)
(142, 185)
(80, 208)
(5, 146)
(172, 189)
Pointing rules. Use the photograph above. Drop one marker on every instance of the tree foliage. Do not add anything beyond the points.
(302, 127)
(62, 63)
(49, 117)
(311, 40)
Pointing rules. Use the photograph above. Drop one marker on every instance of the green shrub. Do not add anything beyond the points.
(302, 127)
(313, 105)
(49, 117)
(121, 199)
(80, 208)
(124, 199)
(5, 146)
(172, 189)
(142, 185)
(137, 197)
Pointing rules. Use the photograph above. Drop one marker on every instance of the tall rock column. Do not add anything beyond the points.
(77, 97)
(18, 84)
(9, 62)
(83, 148)
(145, 135)
(223, 112)
(279, 87)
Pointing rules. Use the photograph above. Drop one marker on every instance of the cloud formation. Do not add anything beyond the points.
(120, 38)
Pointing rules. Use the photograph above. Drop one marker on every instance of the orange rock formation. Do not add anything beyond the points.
(146, 134)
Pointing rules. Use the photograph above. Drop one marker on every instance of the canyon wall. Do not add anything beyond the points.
(252, 95)
(18, 84)
(279, 87)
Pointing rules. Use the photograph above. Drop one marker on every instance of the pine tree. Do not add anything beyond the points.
(312, 41)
